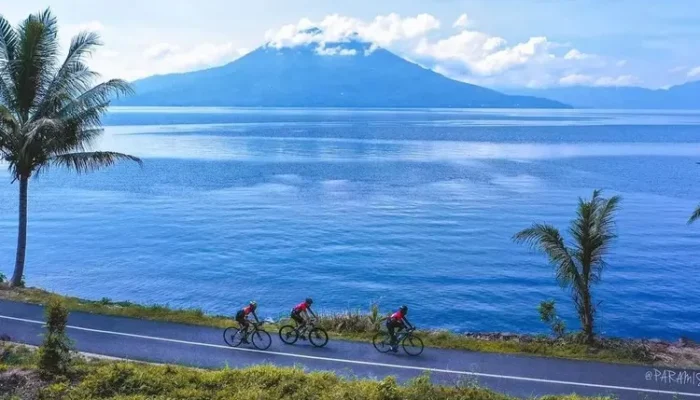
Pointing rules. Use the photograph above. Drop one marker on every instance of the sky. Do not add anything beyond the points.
(496, 43)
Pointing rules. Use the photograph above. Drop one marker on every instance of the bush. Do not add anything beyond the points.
(136, 381)
(55, 351)
(3, 278)
(353, 322)
(548, 315)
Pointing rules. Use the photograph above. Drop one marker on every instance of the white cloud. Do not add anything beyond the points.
(106, 53)
(164, 58)
(461, 22)
(383, 30)
(574, 54)
(484, 54)
(588, 80)
(202, 55)
(335, 51)
(622, 80)
(576, 79)
(90, 26)
(621, 63)
(694, 72)
(160, 50)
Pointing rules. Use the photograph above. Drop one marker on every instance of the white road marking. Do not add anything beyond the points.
(370, 363)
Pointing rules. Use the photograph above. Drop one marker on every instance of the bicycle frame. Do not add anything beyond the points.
(403, 334)
(256, 326)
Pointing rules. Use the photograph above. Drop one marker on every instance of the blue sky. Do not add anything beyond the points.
(498, 43)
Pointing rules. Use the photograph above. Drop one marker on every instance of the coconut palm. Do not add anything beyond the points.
(50, 110)
(580, 265)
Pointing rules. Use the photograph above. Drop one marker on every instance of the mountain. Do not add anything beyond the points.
(348, 74)
(685, 96)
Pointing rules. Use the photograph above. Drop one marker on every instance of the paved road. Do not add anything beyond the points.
(204, 347)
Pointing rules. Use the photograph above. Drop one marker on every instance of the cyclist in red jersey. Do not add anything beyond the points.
(300, 312)
(242, 317)
(397, 321)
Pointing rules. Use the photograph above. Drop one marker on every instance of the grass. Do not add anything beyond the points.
(352, 325)
(120, 380)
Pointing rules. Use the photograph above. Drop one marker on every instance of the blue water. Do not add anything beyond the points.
(353, 207)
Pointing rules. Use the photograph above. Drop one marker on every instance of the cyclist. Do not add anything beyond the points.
(300, 313)
(242, 318)
(397, 321)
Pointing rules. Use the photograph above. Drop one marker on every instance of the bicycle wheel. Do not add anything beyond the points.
(233, 336)
(261, 339)
(382, 342)
(318, 337)
(412, 345)
(289, 334)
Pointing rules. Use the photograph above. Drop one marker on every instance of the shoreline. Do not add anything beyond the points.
(358, 326)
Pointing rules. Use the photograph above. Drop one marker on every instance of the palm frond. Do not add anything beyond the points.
(695, 216)
(35, 61)
(6, 116)
(99, 95)
(547, 239)
(73, 77)
(8, 40)
(91, 161)
(8, 49)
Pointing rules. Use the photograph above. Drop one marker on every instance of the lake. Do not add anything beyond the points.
(352, 207)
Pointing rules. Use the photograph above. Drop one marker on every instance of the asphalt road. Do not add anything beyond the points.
(197, 346)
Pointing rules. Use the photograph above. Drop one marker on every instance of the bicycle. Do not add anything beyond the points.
(259, 337)
(318, 337)
(412, 344)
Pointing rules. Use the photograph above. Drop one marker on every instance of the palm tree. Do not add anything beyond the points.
(49, 111)
(581, 264)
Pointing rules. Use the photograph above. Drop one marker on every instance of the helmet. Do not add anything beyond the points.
(309, 301)
(404, 309)
(254, 304)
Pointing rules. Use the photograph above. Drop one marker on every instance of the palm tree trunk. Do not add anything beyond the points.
(587, 319)
(22, 233)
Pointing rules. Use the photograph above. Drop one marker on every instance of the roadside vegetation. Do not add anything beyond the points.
(19, 378)
(54, 373)
(361, 325)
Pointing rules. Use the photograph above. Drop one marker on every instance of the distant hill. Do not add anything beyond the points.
(686, 96)
(302, 77)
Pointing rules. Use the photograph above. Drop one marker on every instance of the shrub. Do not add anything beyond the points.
(548, 315)
(353, 322)
(3, 278)
(55, 351)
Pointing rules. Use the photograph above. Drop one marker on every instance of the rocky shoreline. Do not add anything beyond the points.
(683, 353)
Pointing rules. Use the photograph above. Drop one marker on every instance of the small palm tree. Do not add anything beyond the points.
(581, 264)
(49, 111)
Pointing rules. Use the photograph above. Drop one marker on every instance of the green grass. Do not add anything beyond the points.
(352, 325)
(120, 380)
